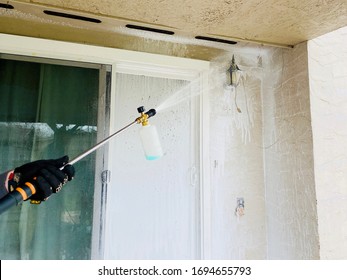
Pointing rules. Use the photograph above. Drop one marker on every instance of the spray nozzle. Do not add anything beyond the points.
(151, 113)
(143, 119)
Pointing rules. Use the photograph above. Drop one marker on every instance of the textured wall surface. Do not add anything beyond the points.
(328, 86)
(288, 157)
(237, 160)
(277, 21)
(265, 155)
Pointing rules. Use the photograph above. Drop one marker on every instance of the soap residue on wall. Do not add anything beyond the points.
(237, 104)
(236, 159)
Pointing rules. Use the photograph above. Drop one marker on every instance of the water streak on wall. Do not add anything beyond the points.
(265, 155)
(288, 157)
(237, 161)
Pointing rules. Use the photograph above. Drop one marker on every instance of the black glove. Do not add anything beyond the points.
(45, 175)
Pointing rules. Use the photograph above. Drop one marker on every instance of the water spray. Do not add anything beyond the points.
(150, 142)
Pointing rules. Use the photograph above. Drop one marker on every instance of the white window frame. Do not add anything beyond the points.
(131, 62)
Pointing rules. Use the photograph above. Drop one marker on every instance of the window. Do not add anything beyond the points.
(47, 111)
(177, 185)
(153, 206)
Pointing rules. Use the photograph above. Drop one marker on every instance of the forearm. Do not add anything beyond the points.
(4, 178)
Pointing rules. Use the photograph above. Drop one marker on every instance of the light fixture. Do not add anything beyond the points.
(234, 73)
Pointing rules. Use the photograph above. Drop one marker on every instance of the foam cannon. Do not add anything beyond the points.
(150, 142)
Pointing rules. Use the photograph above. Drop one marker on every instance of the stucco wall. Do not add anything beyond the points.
(265, 155)
(328, 87)
(237, 160)
(288, 157)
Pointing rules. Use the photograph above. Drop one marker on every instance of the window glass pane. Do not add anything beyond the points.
(153, 208)
(48, 111)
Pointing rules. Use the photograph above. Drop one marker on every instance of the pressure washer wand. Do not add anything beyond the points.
(141, 119)
(98, 145)
(25, 192)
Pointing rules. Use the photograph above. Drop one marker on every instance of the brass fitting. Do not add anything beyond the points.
(145, 116)
(143, 119)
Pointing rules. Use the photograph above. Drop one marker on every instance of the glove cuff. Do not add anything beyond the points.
(12, 182)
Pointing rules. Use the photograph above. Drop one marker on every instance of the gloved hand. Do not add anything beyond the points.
(45, 175)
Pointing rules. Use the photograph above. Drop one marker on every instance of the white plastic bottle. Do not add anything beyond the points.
(150, 142)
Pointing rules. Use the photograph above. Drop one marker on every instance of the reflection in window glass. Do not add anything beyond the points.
(48, 111)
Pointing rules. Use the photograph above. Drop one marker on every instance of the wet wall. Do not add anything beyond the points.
(263, 154)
